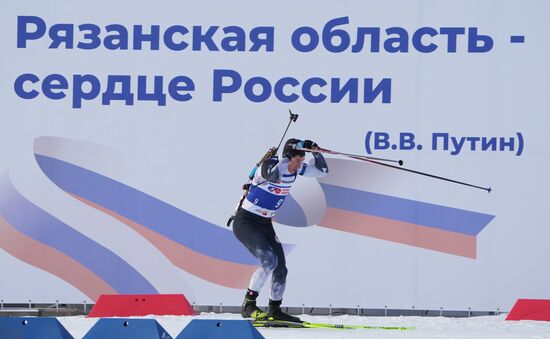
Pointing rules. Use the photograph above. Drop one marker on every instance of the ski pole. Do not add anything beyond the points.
(272, 151)
(292, 118)
(370, 159)
(269, 154)
(328, 151)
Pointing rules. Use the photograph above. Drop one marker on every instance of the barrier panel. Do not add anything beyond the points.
(131, 305)
(32, 328)
(530, 309)
(121, 328)
(219, 329)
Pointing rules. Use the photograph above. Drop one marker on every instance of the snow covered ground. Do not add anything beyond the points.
(486, 327)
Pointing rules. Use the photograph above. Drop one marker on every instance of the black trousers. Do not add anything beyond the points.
(258, 236)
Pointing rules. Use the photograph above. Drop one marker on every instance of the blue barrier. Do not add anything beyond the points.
(121, 328)
(219, 329)
(32, 328)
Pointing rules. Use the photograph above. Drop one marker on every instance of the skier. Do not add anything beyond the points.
(253, 227)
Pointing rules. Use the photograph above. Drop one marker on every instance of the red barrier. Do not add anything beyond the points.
(530, 309)
(129, 305)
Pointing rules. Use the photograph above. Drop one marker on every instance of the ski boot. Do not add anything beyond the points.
(275, 313)
(249, 309)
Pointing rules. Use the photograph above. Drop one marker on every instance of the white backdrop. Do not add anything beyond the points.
(188, 159)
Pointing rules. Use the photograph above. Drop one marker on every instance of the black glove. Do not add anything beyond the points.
(310, 144)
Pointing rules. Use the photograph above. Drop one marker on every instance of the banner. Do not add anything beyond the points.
(128, 129)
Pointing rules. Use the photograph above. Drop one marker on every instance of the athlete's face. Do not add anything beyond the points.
(295, 163)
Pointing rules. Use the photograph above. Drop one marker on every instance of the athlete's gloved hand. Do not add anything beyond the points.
(310, 144)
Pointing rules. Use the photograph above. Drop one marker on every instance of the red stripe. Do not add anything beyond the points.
(51, 260)
(221, 272)
(400, 232)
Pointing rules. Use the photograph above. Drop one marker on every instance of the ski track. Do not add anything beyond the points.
(484, 327)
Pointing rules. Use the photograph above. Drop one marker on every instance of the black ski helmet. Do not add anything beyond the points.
(289, 150)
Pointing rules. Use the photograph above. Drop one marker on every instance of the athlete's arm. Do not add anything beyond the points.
(270, 170)
(316, 167)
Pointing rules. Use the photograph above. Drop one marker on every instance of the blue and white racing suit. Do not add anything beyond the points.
(253, 226)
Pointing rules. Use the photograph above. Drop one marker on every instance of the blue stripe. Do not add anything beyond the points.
(411, 211)
(32, 221)
(517, 39)
(171, 222)
(276, 185)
